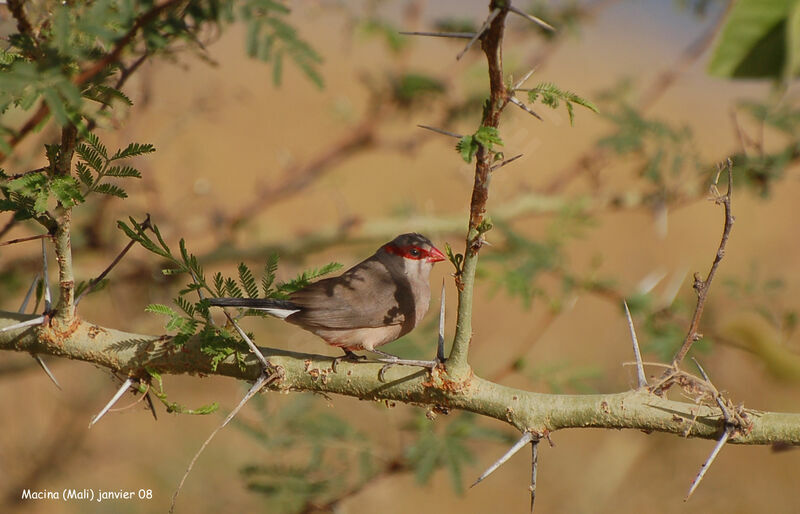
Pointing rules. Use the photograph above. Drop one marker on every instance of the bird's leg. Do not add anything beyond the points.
(348, 356)
(393, 360)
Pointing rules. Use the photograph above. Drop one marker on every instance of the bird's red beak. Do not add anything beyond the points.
(435, 255)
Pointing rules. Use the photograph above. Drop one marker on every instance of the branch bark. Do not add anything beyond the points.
(538, 413)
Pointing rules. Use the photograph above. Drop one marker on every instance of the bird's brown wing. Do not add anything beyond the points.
(364, 296)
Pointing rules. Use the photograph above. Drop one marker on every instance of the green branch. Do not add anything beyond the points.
(134, 354)
(492, 44)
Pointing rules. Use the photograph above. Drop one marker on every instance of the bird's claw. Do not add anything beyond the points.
(391, 360)
(382, 372)
(348, 356)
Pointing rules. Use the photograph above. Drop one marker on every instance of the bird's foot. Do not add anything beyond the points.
(348, 356)
(393, 360)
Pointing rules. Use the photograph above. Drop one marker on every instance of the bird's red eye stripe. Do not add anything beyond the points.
(415, 253)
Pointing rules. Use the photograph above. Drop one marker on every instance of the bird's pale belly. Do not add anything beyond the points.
(359, 338)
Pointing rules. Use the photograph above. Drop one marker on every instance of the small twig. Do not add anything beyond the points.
(441, 131)
(506, 161)
(47, 298)
(458, 35)
(720, 443)
(642, 379)
(259, 384)
(534, 464)
(440, 341)
(701, 286)
(114, 399)
(514, 100)
(23, 239)
(525, 439)
(533, 19)
(93, 282)
(489, 20)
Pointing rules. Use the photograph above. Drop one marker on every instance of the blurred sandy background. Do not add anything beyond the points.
(222, 130)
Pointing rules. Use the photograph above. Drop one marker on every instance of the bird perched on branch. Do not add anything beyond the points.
(371, 304)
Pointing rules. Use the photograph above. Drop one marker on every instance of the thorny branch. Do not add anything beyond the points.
(492, 45)
(701, 286)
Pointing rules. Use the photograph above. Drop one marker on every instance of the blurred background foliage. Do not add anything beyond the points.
(313, 154)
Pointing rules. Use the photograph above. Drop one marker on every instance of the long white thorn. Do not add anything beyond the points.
(262, 380)
(506, 161)
(253, 347)
(642, 379)
(457, 35)
(440, 341)
(29, 294)
(720, 443)
(47, 299)
(480, 32)
(525, 439)
(125, 385)
(532, 18)
(38, 320)
(717, 397)
(47, 370)
(22, 311)
(524, 107)
(441, 131)
(524, 79)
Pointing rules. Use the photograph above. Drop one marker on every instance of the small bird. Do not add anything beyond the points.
(373, 303)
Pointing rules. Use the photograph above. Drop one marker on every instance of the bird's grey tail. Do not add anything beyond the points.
(278, 308)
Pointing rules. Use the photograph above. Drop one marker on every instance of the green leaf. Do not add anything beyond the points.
(61, 29)
(306, 277)
(106, 95)
(247, 280)
(66, 191)
(84, 174)
(233, 289)
(488, 137)
(185, 305)
(219, 284)
(158, 308)
(123, 171)
(132, 150)
(110, 189)
(56, 104)
(467, 146)
(94, 141)
(754, 41)
(91, 156)
(551, 95)
(268, 276)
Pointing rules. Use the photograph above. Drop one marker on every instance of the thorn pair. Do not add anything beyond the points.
(474, 36)
(527, 437)
(39, 319)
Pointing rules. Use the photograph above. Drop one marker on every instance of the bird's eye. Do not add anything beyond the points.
(414, 252)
